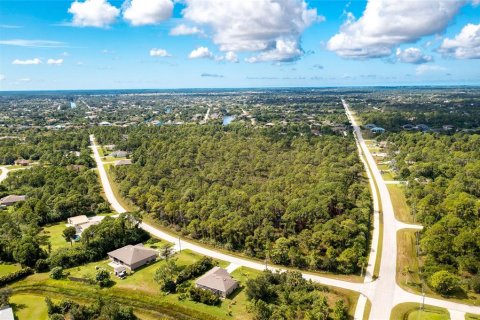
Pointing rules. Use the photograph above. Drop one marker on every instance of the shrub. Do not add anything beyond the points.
(56, 273)
(475, 283)
(41, 265)
(444, 282)
(17, 275)
(203, 296)
(103, 278)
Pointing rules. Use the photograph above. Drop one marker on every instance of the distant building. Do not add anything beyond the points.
(104, 124)
(77, 220)
(22, 162)
(81, 223)
(408, 126)
(422, 127)
(6, 313)
(448, 127)
(370, 126)
(11, 200)
(73, 105)
(119, 154)
(132, 257)
(377, 130)
(125, 162)
(218, 281)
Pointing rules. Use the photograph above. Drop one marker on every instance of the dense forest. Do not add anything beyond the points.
(52, 147)
(444, 192)
(300, 200)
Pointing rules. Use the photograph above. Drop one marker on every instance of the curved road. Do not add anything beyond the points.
(4, 174)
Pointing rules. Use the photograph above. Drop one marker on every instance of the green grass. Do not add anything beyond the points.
(412, 311)
(408, 275)
(368, 308)
(8, 268)
(399, 202)
(470, 316)
(29, 307)
(54, 234)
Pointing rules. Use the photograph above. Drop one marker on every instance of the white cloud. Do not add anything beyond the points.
(159, 53)
(386, 24)
(27, 61)
(412, 55)
(145, 12)
(465, 45)
(429, 68)
(55, 62)
(211, 75)
(93, 13)
(254, 25)
(201, 52)
(25, 80)
(285, 50)
(184, 30)
(230, 56)
(33, 43)
(2, 77)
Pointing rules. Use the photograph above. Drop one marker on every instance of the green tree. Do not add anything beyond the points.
(339, 311)
(102, 277)
(5, 294)
(166, 275)
(444, 282)
(69, 234)
(56, 273)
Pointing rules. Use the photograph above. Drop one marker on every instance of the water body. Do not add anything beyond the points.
(227, 120)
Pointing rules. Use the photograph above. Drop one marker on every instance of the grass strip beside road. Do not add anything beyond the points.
(413, 311)
(399, 202)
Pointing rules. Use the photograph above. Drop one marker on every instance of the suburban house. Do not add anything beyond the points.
(125, 162)
(132, 257)
(370, 126)
(11, 200)
(119, 154)
(6, 313)
(22, 162)
(422, 127)
(218, 281)
(81, 223)
(377, 130)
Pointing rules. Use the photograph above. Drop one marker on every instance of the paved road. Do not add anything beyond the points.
(198, 248)
(4, 173)
(385, 293)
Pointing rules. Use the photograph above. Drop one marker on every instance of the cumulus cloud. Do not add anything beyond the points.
(201, 52)
(55, 62)
(33, 43)
(428, 68)
(268, 26)
(386, 24)
(93, 13)
(465, 45)
(412, 55)
(145, 12)
(159, 53)
(27, 61)
(184, 30)
(211, 75)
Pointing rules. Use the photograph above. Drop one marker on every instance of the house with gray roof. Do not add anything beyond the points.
(11, 200)
(133, 257)
(218, 281)
(124, 162)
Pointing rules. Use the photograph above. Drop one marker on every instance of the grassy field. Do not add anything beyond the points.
(412, 311)
(402, 210)
(407, 263)
(29, 307)
(54, 233)
(470, 316)
(8, 268)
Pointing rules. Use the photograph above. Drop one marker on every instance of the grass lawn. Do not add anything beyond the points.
(8, 268)
(412, 311)
(54, 233)
(29, 307)
(387, 176)
(402, 210)
(110, 158)
(368, 308)
(407, 262)
(470, 316)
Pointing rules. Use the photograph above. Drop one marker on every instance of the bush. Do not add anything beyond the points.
(475, 283)
(41, 265)
(444, 282)
(103, 278)
(17, 275)
(56, 273)
(204, 296)
(194, 270)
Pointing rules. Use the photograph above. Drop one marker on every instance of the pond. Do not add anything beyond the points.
(227, 120)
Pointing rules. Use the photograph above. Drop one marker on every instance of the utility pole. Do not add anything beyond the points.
(179, 245)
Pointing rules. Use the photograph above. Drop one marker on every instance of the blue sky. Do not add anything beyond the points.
(100, 44)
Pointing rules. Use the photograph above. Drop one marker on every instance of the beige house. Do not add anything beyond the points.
(77, 220)
(11, 200)
(124, 162)
(218, 281)
(132, 257)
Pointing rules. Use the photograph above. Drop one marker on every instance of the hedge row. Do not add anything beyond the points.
(17, 275)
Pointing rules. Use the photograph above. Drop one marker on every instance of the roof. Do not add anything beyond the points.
(78, 219)
(217, 279)
(6, 313)
(132, 254)
(123, 162)
(12, 198)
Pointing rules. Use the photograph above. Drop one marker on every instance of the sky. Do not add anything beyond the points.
(137, 44)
